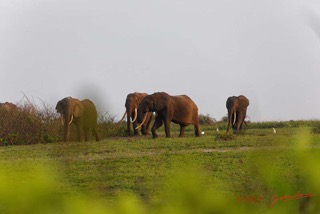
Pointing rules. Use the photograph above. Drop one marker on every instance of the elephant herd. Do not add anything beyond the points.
(139, 111)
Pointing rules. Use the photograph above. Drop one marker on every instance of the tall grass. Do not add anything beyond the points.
(28, 124)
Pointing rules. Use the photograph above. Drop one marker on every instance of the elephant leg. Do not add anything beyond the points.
(157, 123)
(143, 130)
(86, 131)
(95, 133)
(197, 130)
(244, 117)
(79, 131)
(135, 131)
(239, 121)
(182, 130)
(167, 127)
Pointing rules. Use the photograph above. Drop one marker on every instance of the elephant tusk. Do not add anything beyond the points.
(143, 121)
(71, 119)
(123, 117)
(135, 114)
(234, 118)
(62, 119)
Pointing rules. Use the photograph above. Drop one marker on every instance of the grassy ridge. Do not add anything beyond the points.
(157, 173)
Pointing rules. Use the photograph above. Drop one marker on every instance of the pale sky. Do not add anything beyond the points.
(267, 50)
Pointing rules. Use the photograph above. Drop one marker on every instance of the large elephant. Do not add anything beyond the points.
(237, 111)
(177, 109)
(132, 102)
(82, 113)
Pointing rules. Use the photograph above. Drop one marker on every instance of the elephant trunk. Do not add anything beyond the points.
(66, 120)
(128, 123)
(229, 120)
(62, 119)
(66, 128)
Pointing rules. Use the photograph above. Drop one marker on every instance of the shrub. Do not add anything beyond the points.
(225, 136)
(108, 128)
(29, 124)
(206, 120)
(20, 126)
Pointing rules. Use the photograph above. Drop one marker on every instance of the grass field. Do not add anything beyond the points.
(215, 173)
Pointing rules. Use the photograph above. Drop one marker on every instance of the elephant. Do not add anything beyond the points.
(177, 109)
(132, 102)
(8, 106)
(82, 113)
(237, 110)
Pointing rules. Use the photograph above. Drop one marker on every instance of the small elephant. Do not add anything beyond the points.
(8, 106)
(82, 113)
(177, 109)
(132, 102)
(237, 110)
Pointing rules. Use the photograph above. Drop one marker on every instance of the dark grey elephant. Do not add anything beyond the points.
(177, 109)
(81, 113)
(132, 102)
(237, 111)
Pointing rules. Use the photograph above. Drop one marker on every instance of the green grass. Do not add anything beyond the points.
(186, 175)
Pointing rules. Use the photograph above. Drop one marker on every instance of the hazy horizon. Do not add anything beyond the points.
(266, 50)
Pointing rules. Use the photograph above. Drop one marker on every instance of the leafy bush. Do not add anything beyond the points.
(206, 120)
(20, 126)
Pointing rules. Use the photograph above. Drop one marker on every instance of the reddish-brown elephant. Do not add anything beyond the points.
(8, 106)
(237, 111)
(177, 109)
(82, 113)
(132, 102)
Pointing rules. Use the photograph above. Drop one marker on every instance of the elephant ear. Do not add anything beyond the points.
(61, 106)
(77, 108)
(243, 102)
(161, 101)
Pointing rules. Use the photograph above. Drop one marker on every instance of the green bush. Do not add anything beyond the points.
(206, 120)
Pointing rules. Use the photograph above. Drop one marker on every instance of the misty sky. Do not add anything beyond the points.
(268, 50)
